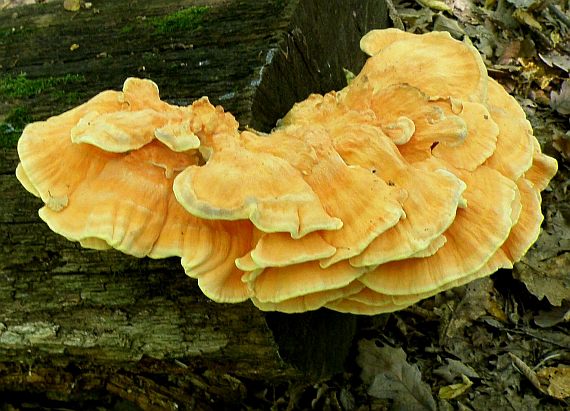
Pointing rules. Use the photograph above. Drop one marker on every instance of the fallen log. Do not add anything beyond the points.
(78, 324)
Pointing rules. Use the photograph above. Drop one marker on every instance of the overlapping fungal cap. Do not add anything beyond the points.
(499, 161)
(421, 175)
(105, 171)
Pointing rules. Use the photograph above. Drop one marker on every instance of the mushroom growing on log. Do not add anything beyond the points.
(421, 175)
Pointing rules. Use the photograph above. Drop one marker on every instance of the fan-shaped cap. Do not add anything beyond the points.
(434, 63)
(208, 250)
(360, 143)
(431, 204)
(125, 200)
(44, 144)
(543, 168)
(409, 116)
(512, 156)
(120, 200)
(277, 284)
(280, 249)
(527, 227)
(523, 234)
(369, 302)
(237, 184)
(476, 233)
(312, 301)
(135, 118)
(25, 180)
(282, 182)
(367, 205)
(375, 41)
(479, 144)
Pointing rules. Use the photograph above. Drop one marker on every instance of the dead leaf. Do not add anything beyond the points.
(523, 4)
(503, 16)
(557, 315)
(544, 269)
(555, 59)
(435, 5)
(548, 278)
(443, 23)
(561, 101)
(455, 368)
(477, 300)
(483, 38)
(452, 391)
(394, 15)
(558, 380)
(527, 18)
(390, 376)
(561, 143)
(536, 72)
(416, 20)
(72, 5)
(510, 52)
(509, 400)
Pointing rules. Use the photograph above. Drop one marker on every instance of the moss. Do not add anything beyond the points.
(12, 125)
(128, 29)
(14, 33)
(15, 89)
(21, 86)
(186, 19)
(69, 98)
(279, 4)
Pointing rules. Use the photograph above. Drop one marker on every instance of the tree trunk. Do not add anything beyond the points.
(78, 324)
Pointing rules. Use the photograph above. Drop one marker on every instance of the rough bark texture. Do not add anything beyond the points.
(77, 323)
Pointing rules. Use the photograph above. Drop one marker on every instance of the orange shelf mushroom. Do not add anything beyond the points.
(105, 172)
(421, 175)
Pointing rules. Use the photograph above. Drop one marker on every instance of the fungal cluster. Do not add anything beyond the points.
(421, 175)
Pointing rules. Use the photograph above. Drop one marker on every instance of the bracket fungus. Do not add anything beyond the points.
(421, 175)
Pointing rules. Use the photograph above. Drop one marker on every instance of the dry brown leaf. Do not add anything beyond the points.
(558, 380)
(527, 18)
(561, 101)
(523, 4)
(555, 59)
(555, 316)
(455, 368)
(562, 144)
(547, 278)
(455, 390)
(390, 376)
(435, 5)
(72, 5)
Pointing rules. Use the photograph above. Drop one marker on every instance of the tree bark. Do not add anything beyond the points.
(76, 323)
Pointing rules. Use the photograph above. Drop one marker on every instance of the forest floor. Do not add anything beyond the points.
(499, 343)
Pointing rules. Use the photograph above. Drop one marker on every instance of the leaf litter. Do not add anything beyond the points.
(389, 375)
(501, 342)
